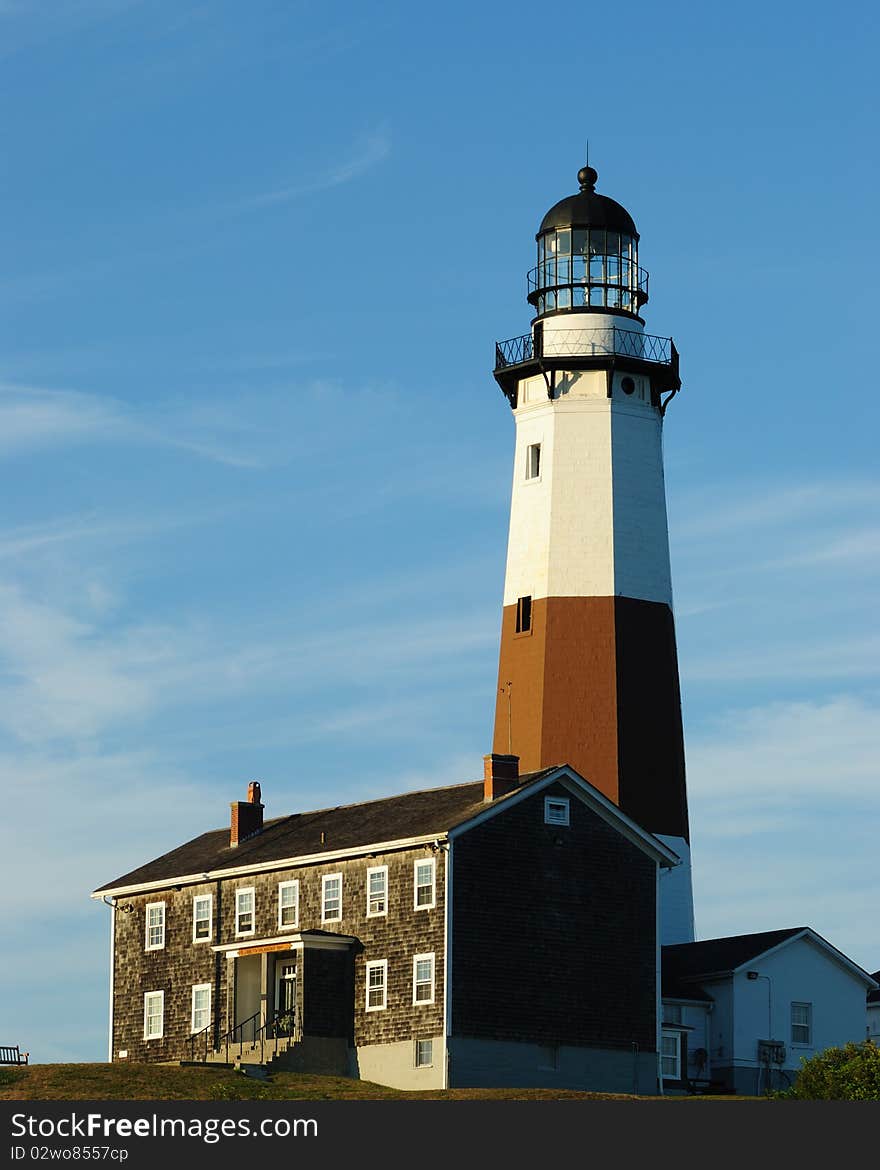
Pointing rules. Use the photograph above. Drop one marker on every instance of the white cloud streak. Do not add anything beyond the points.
(370, 150)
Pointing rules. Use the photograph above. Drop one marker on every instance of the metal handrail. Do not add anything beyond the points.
(224, 1039)
(284, 1026)
(586, 343)
(194, 1037)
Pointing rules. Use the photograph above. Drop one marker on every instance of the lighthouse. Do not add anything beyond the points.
(588, 668)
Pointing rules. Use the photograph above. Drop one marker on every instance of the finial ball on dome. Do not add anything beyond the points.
(587, 177)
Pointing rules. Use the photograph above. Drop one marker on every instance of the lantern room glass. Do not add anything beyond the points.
(581, 267)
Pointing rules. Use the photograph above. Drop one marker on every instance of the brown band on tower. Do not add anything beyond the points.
(594, 684)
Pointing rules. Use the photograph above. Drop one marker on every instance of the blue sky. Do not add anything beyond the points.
(255, 471)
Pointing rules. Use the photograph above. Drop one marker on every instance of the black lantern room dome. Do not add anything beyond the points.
(587, 209)
(588, 256)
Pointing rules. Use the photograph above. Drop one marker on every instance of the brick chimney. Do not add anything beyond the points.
(500, 775)
(247, 815)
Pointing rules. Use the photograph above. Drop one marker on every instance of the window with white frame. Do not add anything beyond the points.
(424, 1053)
(424, 882)
(155, 938)
(377, 891)
(244, 911)
(533, 461)
(377, 985)
(331, 897)
(201, 1007)
(556, 810)
(154, 1015)
(802, 1023)
(202, 908)
(423, 979)
(288, 903)
(670, 1056)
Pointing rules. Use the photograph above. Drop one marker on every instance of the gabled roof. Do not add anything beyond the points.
(721, 955)
(357, 828)
(725, 956)
(326, 831)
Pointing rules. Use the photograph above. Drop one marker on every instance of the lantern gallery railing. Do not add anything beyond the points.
(572, 282)
(581, 343)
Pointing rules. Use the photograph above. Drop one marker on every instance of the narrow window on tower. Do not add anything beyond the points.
(523, 615)
(533, 461)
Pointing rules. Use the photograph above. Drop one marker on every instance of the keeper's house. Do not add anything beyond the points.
(501, 932)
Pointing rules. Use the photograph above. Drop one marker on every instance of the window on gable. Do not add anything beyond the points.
(155, 938)
(424, 1053)
(377, 985)
(244, 911)
(672, 1013)
(670, 1056)
(202, 917)
(523, 615)
(424, 881)
(802, 1023)
(556, 810)
(201, 1007)
(423, 978)
(377, 891)
(154, 1015)
(331, 897)
(288, 903)
(533, 461)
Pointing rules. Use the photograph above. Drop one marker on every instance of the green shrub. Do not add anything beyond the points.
(850, 1073)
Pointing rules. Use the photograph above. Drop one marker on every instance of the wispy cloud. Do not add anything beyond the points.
(736, 508)
(367, 152)
(34, 419)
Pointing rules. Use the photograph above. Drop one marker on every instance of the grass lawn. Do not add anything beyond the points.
(163, 1082)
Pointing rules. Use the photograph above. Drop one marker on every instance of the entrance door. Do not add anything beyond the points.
(247, 996)
(285, 995)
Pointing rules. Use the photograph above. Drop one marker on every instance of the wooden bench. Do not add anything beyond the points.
(11, 1054)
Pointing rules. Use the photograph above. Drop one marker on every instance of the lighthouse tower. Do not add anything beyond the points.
(588, 671)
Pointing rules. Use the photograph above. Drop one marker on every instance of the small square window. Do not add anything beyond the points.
(155, 939)
(533, 461)
(288, 904)
(331, 897)
(424, 1053)
(556, 811)
(523, 615)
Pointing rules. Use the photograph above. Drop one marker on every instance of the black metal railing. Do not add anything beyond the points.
(514, 351)
(278, 1031)
(645, 347)
(202, 1040)
(565, 272)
